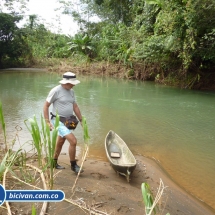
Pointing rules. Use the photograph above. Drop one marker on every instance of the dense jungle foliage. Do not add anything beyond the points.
(167, 41)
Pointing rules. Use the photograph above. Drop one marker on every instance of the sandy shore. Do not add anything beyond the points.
(102, 192)
(101, 188)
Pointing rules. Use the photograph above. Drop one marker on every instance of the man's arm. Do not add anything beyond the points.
(46, 113)
(77, 111)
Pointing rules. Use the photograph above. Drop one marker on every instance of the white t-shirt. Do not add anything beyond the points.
(62, 101)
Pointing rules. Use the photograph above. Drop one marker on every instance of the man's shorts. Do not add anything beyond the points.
(62, 130)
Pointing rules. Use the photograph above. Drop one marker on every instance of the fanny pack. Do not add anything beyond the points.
(70, 122)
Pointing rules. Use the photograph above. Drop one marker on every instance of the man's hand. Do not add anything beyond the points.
(50, 125)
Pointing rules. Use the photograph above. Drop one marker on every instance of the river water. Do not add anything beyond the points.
(174, 126)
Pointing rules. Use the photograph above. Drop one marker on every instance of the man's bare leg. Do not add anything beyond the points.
(72, 146)
(59, 145)
(72, 151)
(58, 148)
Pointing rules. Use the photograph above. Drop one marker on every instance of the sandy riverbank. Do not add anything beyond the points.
(100, 186)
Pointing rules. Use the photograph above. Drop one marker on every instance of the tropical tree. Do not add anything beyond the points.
(58, 47)
(81, 44)
(169, 40)
(12, 43)
(115, 11)
(13, 6)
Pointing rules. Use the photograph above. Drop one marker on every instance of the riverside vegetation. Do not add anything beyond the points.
(169, 42)
(17, 166)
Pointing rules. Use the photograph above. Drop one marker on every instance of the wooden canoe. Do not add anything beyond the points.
(119, 155)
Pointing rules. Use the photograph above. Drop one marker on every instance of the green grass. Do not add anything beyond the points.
(148, 199)
(44, 142)
(10, 157)
(3, 123)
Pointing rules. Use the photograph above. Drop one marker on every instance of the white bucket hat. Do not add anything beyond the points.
(70, 78)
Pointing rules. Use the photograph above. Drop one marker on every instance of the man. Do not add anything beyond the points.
(64, 104)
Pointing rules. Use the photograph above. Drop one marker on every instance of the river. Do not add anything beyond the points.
(174, 126)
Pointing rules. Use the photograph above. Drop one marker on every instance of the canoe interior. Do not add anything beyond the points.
(114, 144)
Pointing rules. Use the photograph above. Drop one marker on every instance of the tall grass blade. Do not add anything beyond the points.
(35, 133)
(55, 133)
(147, 198)
(86, 144)
(43, 124)
(149, 201)
(51, 140)
(8, 161)
(3, 123)
(3, 165)
(85, 129)
(33, 210)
